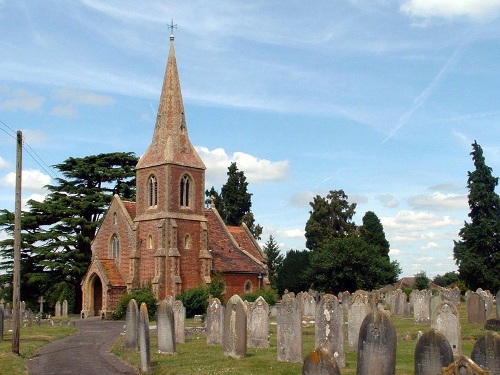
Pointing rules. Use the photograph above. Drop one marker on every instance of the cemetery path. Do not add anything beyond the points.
(85, 352)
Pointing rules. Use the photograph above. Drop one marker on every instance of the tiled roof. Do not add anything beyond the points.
(111, 269)
(227, 257)
(245, 242)
(130, 207)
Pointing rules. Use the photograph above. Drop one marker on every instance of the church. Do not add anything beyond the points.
(168, 239)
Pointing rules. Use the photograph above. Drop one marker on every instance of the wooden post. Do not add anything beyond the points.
(16, 305)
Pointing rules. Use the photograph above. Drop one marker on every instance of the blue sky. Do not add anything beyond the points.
(379, 98)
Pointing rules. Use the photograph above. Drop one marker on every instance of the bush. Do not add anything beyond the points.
(140, 295)
(195, 300)
(270, 295)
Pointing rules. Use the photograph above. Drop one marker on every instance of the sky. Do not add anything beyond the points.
(379, 98)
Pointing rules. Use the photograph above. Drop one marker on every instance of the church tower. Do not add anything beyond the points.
(171, 237)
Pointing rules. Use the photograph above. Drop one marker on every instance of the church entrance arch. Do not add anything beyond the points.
(97, 295)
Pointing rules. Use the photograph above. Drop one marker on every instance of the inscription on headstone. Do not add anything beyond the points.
(215, 322)
(235, 328)
(486, 352)
(320, 362)
(432, 353)
(289, 330)
(329, 328)
(258, 324)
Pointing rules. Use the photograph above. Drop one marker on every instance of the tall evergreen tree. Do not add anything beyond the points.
(372, 232)
(477, 254)
(292, 275)
(274, 260)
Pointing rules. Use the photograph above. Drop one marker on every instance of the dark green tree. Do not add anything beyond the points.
(57, 232)
(372, 232)
(477, 254)
(274, 260)
(447, 279)
(292, 275)
(421, 281)
(331, 217)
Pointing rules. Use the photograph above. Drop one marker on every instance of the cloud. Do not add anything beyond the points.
(411, 220)
(83, 97)
(3, 163)
(451, 8)
(429, 246)
(387, 200)
(425, 259)
(22, 99)
(302, 198)
(439, 201)
(34, 136)
(358, 199)
(292, 233)
(66, 110)
(32, 179)
(394, 252)
(256, 170)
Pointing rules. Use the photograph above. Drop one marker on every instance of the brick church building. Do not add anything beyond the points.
(168, 239)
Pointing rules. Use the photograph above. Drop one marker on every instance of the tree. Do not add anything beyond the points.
(292, 274)
(372, 232)
(274, 260)
(421, 281)
(331, 217)
(234, 201)
(447, 279)
(477, 254)
(57, 232)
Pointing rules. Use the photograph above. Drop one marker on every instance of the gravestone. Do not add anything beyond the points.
(488, 300)
(235, 328)
(7, 311)
(377, 345)
(2, 320)
(320, 362)
(289, 330)
(329, 328)
(144, 344)
(23, 308)
(309, 305)
(432, 353)
(180, 322)
(41, 300)
(486, 352)
(57, 311)
(65, 308)
(214, 322)
(435, 303)
(476, 309)
(131, 325)
(422, 306)
(346, 301)
(464, 366)
(498, 304)
(166, 328)
(448, 323)
(258, 324)
(398, 303)
(357, 313)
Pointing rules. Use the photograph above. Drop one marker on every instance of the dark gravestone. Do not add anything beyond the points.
(486, 352)
(476, 309)
(432, 353)
(235, 328)
(319, 362)
(289, 330)
(377, 345)
(1, 322)
(492, 325)
(329, 328)
(144, 344)
(498, 304)
(165, 327)
(131, 325)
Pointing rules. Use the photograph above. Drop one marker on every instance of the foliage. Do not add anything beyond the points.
(217, 287)
(331, 217)
(449, 278)
(140, 295)
(270, 295)
(372, 232)
(477, 254)
(234, 201)
(274, 260)
(292, 274)
(421, 281)
(60, 292)
(57, 233)
(195, 300)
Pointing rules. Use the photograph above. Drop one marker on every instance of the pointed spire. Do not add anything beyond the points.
(170, 142)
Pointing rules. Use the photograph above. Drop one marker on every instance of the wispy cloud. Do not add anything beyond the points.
(439, 201)
(451, 8)
(21, 99)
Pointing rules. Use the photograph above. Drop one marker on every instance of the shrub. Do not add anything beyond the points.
(140, 295)
(270, 295)
(195, 300)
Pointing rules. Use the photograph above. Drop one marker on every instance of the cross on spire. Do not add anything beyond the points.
(172, 26)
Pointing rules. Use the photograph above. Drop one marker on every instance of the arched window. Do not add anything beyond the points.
(115, 247)
(187, 242)
(153, 191)
(248, 286)
(184, 191)
(149, 242)
(115, 218)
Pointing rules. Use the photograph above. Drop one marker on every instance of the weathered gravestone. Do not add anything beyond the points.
(131, 325)
(498, 304)
(345, 301)
(432, 353)
(235, 328)
(65, 308)
(7, 311)
(422, 306)
(23, 308)
(357, 313)
(320, 362)
(2, 319)
(308, 305)
(214, 322)
(165, 325)
(180, 322)
(377, 345)
(476, 309)
(398, 303)
(329, 328)
(448, 323)
(57, 311)
(488, 300)
(486, 352)
(258, 324)
(41, 300)
(144, 344)
(434, 305)
(289, 330)
(464, 366)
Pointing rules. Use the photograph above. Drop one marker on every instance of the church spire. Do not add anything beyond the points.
(170, 144)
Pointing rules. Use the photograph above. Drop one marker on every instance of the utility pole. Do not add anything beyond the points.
(16, 305)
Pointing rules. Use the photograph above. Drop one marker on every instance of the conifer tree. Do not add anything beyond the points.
(274, 260)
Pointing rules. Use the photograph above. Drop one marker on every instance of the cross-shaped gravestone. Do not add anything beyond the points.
(41, 300)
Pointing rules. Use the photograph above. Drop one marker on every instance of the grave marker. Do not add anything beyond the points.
(57, 311)
(235, 328)
(131, 325)
(144, 344)
(2, 313)
(258, 324)
(464, 366)
(180, 322)
(476, 309)
(320, 362)
(357, 313)
(422, 306)
(329, 328)
(432, 353)
(65, 308)
(289, 330)
(215, 322)
(165, 326)
(448, 323)
(486, 352)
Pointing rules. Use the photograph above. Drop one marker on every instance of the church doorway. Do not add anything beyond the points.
(97, 296)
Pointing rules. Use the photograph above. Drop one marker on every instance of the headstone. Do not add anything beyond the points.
(131, 325)
(215, 322)
(180, 322)
(23, 308)
(346, 301)
(432, 353)
(377, 345)
(398, 303)
(435, 303)
(65, 308)
(498, 304)
(7, 311)
(2, 313)
(464, 366)
(422, 306)
(329, 328)
(41, 300)
(320, 362)
(235, 328)
(309, 305)
(448, 323)
(357, 313)
(476, 309)
(166, 328)
(486, 352)
(289, 330)
(492, 325)
(57, 311)
(258, 324)
(144, 344)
